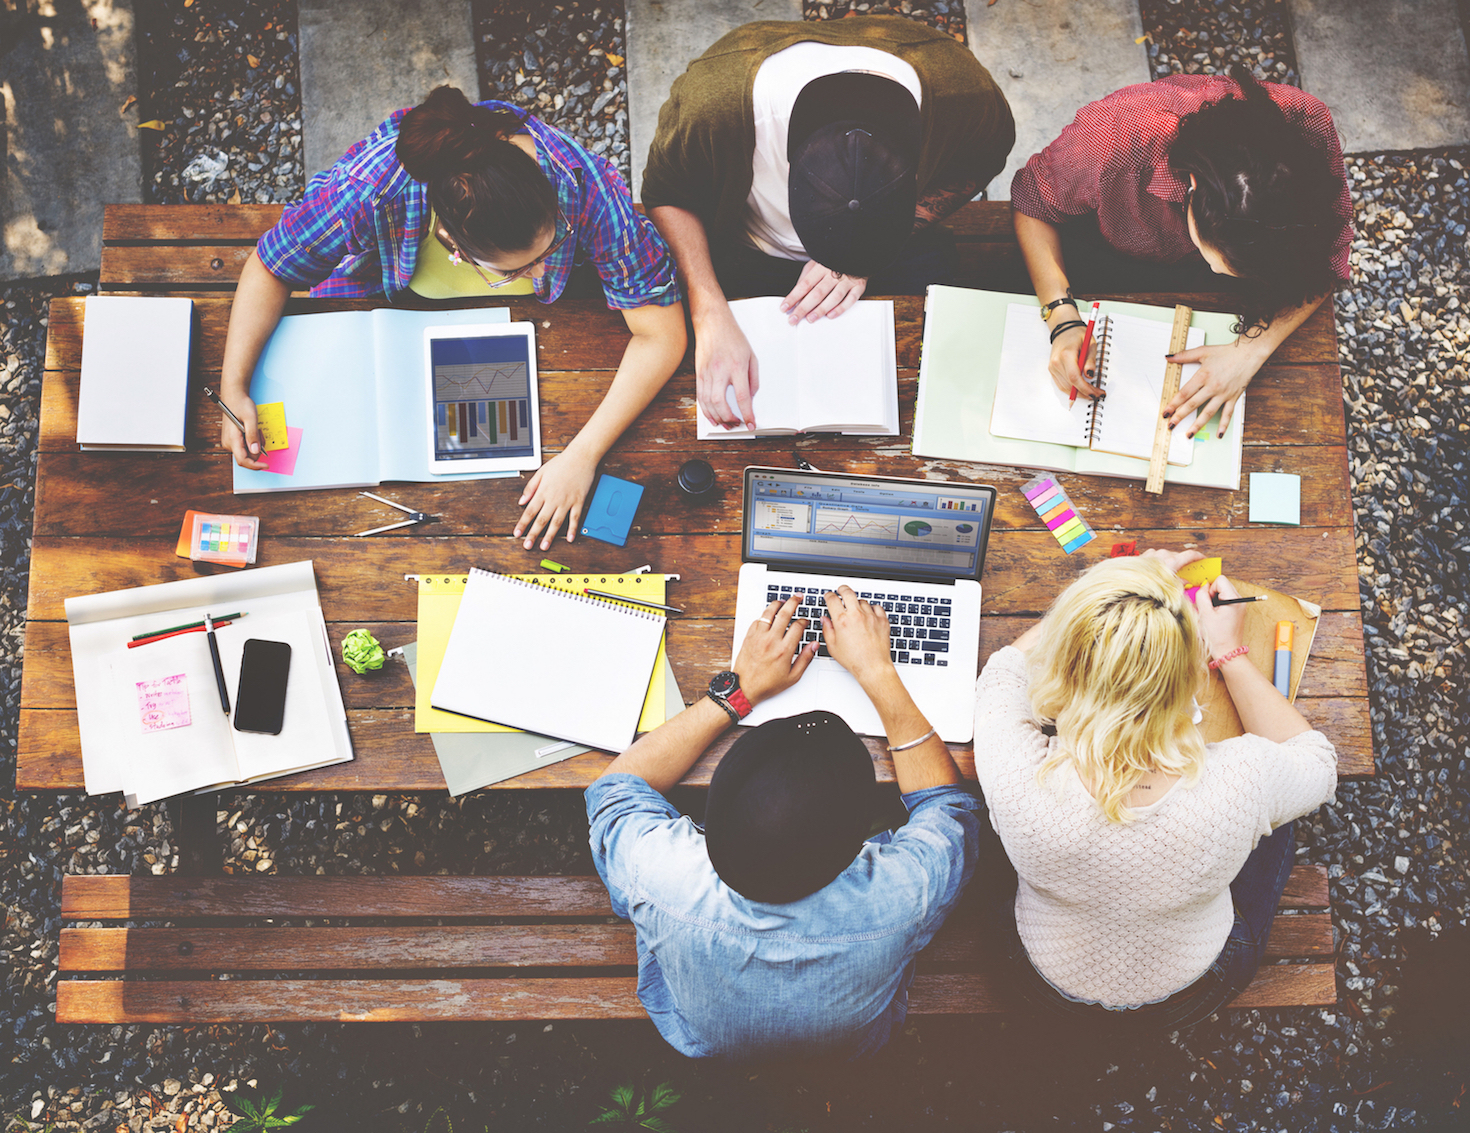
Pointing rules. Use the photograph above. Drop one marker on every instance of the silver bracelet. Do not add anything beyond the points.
(913, 743)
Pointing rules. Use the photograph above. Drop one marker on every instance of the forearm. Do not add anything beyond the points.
(929, 764)
(942, 200)
(650, 359)
(685, 235)
(664, 756)
(1262, 710)
(1041, 248)
(259, 300)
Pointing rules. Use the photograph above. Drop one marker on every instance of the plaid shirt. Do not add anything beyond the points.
(1113, 162)
(357, 230)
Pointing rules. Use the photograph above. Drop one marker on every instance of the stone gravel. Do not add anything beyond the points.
(1391, 1055)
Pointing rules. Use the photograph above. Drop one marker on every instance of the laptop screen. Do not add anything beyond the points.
(831, 522)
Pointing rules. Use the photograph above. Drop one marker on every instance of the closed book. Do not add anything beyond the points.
(135, 374)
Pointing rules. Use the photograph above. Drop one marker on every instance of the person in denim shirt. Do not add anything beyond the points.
(777, 930)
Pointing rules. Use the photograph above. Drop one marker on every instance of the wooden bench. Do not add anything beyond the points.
(507, 948)
(209, 949)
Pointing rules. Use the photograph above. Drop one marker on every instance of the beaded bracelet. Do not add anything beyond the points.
(1062, 328)
(1238, 651)
(913, 743)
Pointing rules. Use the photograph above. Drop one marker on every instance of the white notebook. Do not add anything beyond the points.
(134, 393)
(1130, 366)
(559, 664)
(831, 376)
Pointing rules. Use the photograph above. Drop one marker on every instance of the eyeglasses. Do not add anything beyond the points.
(457, 256)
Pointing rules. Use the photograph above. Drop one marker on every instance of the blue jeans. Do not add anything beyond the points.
(1256, 891)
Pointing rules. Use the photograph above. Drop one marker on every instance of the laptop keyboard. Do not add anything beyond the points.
(918, 627)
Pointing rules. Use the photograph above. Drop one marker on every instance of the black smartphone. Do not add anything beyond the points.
(260, 699)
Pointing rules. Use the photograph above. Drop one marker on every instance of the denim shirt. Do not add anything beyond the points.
(720, 974)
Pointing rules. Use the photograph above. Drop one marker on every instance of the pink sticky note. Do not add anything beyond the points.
(164, 703)
(283, 460)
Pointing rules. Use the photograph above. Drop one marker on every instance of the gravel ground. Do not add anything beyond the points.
(1392, 1055)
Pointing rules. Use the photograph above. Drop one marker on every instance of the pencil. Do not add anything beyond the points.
(633, 601)
(1236, 601)
(187, 625)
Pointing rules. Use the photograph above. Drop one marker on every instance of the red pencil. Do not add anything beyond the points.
(171, 633)
(1086, 346)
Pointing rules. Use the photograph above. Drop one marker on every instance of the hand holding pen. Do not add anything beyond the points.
(248, 453)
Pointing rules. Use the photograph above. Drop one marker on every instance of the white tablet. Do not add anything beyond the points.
(484, 415)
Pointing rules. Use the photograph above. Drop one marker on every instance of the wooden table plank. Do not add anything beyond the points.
(206, 223)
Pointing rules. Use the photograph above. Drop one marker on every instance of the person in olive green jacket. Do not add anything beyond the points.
(811, 160)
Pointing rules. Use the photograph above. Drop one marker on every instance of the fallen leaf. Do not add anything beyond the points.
(234, 197)
(182, 1123)
(152, 124)
(615, 60)
(188, 3)
(1141, 39)
(252, 60)
(127, 104)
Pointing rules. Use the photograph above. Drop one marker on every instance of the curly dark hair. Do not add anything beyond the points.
(490, 195)
(1263, 198)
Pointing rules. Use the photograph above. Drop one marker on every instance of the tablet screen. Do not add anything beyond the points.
(482, 392)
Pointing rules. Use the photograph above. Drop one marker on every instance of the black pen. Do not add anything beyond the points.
(633, 601)
(219, 670)
(1236, 601)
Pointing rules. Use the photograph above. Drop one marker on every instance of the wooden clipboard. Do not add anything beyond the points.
(1221, 722)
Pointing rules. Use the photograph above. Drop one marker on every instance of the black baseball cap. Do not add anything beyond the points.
(853, 142)
(789, 807)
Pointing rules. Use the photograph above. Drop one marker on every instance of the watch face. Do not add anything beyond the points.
(723, 684)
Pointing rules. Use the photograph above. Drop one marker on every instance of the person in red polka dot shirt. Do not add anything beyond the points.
(1243, 177)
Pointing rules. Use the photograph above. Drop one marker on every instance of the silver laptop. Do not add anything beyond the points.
(916, 547)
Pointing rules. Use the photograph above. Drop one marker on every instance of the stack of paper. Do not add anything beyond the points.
(135, 373)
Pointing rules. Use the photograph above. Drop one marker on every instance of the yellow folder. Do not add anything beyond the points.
(439, 597)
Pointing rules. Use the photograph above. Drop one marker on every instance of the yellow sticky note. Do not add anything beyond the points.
(1201, 573)
(272, 421)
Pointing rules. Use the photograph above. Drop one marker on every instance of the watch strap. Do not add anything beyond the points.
(740, 702)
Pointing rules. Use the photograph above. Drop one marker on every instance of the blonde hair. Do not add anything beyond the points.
(1119, 661)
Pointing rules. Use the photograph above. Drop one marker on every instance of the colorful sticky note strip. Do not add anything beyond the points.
(1049, 500)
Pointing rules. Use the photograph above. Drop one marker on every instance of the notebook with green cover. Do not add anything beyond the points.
(961, 372)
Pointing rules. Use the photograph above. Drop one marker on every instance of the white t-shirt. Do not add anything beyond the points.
(780, 79)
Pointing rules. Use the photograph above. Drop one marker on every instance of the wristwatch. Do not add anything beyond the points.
(1066, 300)
(725, 690)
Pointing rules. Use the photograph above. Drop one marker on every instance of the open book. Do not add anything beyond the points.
(1130, 371)
(976, 401)
(149, 718)
(355, 401)
(831, 376)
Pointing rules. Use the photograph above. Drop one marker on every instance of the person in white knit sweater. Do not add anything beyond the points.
(1149, 863)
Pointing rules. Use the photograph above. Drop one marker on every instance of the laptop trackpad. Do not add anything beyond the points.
(837, 690)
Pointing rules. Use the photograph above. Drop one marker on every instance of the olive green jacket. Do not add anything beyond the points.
(701, 155)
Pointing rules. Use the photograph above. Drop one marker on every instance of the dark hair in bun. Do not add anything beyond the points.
(490, 195)
(1264, 197)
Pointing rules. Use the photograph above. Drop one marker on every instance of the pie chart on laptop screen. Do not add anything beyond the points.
(917, 527)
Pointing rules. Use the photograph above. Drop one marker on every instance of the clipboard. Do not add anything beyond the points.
(1221, 721)
(439, 597)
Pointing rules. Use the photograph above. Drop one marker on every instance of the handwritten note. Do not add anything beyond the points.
(272, 421)
(164, 703)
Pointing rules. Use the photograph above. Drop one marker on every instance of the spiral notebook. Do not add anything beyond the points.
(508, 662)
(1130, 370)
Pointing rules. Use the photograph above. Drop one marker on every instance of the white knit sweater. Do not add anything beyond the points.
(1127, 914)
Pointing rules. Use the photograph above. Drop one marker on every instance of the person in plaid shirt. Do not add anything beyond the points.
(453, 198)
(1193, 170)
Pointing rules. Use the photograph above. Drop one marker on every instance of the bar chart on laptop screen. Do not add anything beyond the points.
(482, 397)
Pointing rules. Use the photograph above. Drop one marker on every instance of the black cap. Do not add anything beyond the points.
(789, 806)
(853, 143)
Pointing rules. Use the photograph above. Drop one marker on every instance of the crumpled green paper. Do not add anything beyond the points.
(361, 651)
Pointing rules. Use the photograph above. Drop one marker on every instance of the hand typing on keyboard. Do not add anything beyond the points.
(857, 633)
(918, 626)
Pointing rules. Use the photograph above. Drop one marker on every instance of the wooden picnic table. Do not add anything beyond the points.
(104, 521)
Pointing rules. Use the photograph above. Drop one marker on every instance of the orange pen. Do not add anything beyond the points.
(1086, 346)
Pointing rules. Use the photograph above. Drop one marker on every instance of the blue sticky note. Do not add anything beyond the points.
(1276, 497)
(610, 515)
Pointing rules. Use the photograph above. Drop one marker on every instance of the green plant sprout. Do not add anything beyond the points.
(643, 1115)
(257, 1117)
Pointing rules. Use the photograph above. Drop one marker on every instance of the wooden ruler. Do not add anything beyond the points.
(1159, 460)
